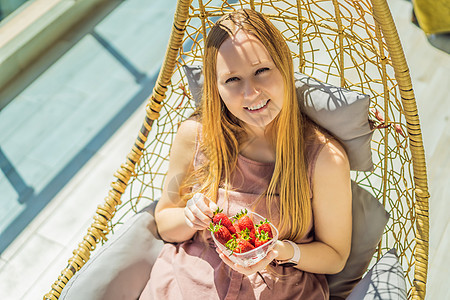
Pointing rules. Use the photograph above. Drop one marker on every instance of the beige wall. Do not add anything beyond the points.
(30, 32)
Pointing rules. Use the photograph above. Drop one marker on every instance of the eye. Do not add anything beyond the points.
(259, 71)
(231, 79)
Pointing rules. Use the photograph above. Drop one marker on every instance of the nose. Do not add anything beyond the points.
(251, 90)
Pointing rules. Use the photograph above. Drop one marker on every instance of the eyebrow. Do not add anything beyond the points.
(227, 73)
(253, 64)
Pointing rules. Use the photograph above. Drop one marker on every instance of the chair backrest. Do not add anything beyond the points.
(348, 43)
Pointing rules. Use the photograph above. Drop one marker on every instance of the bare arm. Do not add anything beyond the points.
(331, 206)
(170, 213)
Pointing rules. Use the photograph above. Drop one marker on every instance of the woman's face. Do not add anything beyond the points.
(249, 83)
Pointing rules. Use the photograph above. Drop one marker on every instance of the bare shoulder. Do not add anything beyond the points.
(187, 134)
(332, 160)
(331, 155)
(183, 147)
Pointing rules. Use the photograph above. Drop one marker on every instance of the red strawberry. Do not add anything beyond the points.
(248, 236)
(262, 238)
(244, 221)
(239, 245)
(220, 218)
(265, 226)
(221, 233)
(244, 246)
(236, 227)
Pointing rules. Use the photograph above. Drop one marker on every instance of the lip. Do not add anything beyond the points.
(259, 109)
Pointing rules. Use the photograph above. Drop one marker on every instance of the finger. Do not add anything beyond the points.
(227, 261)
(223, 255)
(213, 206)
(196, 197)
(189, 218)
(271, 255)
(234, 266)
(188, 214)
(261, 265)
(192, 205)
(193, 225)
(191, 202)
(189, 223)
(198, 206)
(199, 215)
(193, 221)
(201, 203)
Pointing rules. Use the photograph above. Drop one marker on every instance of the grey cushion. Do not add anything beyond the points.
(359, 152)
(368, 221)
(384, 281)
(121, 268)
(342, 112)
(194, 77)
(330, 106)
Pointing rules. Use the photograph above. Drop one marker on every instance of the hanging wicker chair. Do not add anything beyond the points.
(349, 43)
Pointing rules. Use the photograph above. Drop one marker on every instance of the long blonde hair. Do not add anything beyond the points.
(222, 133)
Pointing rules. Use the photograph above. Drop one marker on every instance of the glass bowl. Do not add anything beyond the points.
(253, 256)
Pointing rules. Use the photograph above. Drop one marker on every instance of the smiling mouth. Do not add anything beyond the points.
(259, 107)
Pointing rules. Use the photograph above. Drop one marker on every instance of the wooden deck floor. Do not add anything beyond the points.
(34, 256)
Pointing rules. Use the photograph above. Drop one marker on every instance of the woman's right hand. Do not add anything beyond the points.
(199, 211)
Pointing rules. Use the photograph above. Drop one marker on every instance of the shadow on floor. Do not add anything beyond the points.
(15, 180)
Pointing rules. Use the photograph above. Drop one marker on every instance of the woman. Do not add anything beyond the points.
(249, 146)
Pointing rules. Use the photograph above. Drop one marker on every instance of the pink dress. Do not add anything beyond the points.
(193, 269)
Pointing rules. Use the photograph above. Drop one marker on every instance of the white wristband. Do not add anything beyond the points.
(295, 258)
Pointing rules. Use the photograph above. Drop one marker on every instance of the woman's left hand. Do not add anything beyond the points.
(262, 264)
